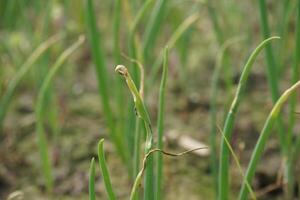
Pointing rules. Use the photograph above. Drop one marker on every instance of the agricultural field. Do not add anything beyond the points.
(149, 99)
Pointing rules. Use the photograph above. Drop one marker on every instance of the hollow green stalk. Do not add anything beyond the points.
(42, 68)
(282, 30)
(117, 59)
(134, 53)
(143, 114)
(9, 13)
(133, 39)
(272, 74)
(139, 104)
(171, 43)
(28, 64)
(136, 138)
(219, 34)
(295, 77)
(95, 41)
(92, 195)
(292, 105)
(41, 137)
(237, 162)
(160, 126)
(229, 122)
(272, 67)
(105, 174)
(265, 133)
(137, 146)
(215, 22)
(153, 27)
(213, 106)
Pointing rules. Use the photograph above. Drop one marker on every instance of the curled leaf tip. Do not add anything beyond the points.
(122, 70)
(93, 159)
(276, 37)
(101, 141)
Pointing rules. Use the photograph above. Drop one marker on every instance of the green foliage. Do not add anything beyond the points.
(160, 126)
(104, 171)
(139, 29)
(213, 107)
(92, 194)
(263, 138)
(28, 64)
(41, 136)
(95, 41)
(229, 122)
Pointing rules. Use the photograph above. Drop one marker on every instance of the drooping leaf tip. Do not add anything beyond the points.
(122, 70)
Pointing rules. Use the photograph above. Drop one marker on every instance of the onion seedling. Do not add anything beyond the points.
(229, 122)
(41, 137)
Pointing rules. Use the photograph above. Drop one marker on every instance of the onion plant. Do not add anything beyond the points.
(143, 114)
(265, 133)
(213, 107)
(220, 37)
(271, 69)
(160, 127)
(105, 174)
(95, 41)
(171, 43)
(117, 59)
(236, 160)
(92, 194)
(41, 136)
(292, 104)
(134, 49)
(138, 179)
(273, 75)
(153, 27)
(28, 64)
(223, 188)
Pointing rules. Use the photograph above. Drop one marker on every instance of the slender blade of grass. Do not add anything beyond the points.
(215, 22)
(219, 34)
(137, 147)
(271, 64)
(41, 137)
(295, 77)
(229, 122)
(6, 99)
(134, 53)
(92, 195)
(143, 114)
(272, 74)
(292, 107)
(153, 27)
(171, 43)
(271, 69)
(105, 174)
(133, 40)
(95, 41)
(160, 126)
(213, 106)
(117, 59)
(282, 30)
(236, 160)
(265, 133)
(138, 100)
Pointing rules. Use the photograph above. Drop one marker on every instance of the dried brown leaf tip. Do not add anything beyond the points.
(122, 70)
